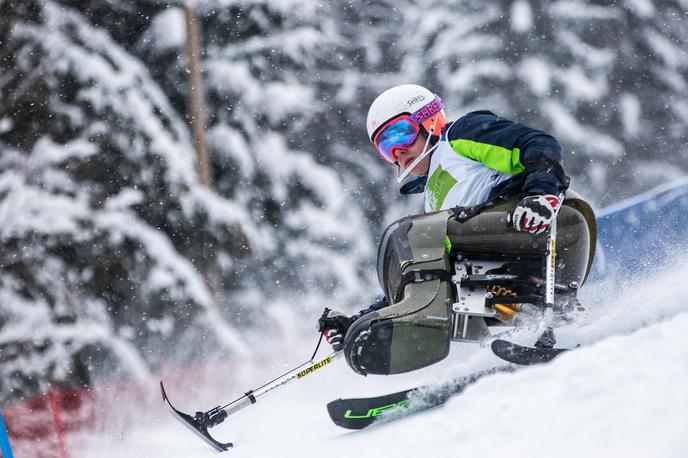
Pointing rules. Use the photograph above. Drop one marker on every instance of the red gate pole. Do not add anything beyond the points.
(57, 420)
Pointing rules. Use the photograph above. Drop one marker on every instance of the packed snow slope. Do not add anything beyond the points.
(622, 394)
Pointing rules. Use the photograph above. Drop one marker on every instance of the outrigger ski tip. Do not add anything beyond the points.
(196, 424)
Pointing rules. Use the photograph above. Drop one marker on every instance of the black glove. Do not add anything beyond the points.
(534, 214)
(334, 324)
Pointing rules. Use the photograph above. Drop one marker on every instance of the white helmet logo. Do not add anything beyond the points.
(416, 99)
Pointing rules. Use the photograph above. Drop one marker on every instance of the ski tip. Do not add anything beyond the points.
(341, 415)
(359, 413)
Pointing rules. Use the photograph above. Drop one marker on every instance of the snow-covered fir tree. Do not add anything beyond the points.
(115, 257)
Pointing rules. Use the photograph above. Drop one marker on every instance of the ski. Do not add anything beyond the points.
(362, 412)
(522, 355)
(359, 413)
(199, 423)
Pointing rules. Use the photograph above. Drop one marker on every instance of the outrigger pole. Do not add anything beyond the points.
(547, 339)
(202, 421)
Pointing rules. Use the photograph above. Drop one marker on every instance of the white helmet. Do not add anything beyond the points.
(405, 99)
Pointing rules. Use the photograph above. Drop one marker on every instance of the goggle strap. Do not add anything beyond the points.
(425, 152)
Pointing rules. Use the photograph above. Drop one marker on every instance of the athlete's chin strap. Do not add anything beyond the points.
(422, 155)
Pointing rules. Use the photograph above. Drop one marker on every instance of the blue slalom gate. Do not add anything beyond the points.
(5, 447)
(643, 232)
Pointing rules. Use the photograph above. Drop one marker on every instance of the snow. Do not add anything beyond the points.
(6, 125)
(37, 328)
(124, 85)
(599, 144)
(46, 152)
(630, 109)
(271, 73)
(170, 270)
(229, 142)
(595, 58)
(537, 74)
(672, 55)
(681, 110)
(643, 8)
(277, 101)
(521, 16)
(582, 10)
(620, 394)
(467, 76)
(32, 208)
(579, 86)
(280, 6)
(225, 211)
(169, 29)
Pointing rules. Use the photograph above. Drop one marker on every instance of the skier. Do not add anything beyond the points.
(462, 163)
(447, 271)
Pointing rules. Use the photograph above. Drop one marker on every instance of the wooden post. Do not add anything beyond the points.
(196, 99)
(197, 114)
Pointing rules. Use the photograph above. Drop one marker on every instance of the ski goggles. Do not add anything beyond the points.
(401, 131)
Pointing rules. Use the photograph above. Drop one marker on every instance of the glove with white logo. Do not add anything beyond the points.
(534, 214)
